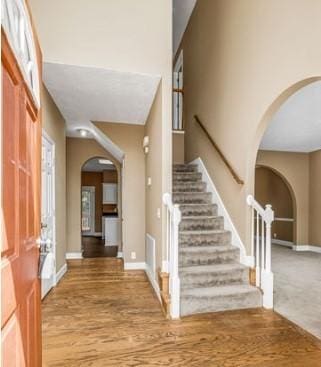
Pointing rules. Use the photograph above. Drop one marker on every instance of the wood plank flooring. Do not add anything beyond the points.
(101, 316)
(95, 247)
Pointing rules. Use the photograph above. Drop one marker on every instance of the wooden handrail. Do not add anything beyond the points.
(227, 163)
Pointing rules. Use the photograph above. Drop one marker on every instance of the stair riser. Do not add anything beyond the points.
(185, 177)
(194, 198)
(189, 187)
(214, 279)
(192, 305)
(205, 258)
(201, 224)
(198, 210)
(177, 168)
(204, 239)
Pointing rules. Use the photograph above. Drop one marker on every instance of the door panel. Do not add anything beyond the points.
(20, 291)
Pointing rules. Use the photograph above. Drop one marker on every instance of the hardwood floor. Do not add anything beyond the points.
(100, 315)
(95, 247)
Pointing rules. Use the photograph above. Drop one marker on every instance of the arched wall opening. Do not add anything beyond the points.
(272, 188)
(101, 197)
(255, 158)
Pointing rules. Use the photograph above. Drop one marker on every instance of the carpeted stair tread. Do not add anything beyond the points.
(219, 268)
(219, 291)
(205, 232)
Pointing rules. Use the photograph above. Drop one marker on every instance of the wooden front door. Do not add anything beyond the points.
(20, 199)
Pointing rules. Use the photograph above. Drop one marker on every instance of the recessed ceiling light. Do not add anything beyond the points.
(105, 161)
(83, 132)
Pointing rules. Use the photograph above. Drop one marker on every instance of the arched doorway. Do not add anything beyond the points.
(288, 137)
(100, 208)
(272, 188)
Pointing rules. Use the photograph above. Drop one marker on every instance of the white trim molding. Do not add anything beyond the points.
(135, 266)
(315, 249)
(120, 254)
(73, 255)
(282, 243)
(153, 282)
(222, 211)
(60, 273)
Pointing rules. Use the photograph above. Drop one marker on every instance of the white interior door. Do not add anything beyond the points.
(48, 229)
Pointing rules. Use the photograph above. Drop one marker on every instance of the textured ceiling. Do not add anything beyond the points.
(93, 94)
(182, 10)
(296, 127)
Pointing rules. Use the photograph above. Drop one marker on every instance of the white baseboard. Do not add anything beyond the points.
(315, 249)
(60, 273)
(73, 255)
(282, 243)
(222, 211)
(165, 266)
(135, 266)
(153, 282)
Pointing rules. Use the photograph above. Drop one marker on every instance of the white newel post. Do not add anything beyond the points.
(262, 239)
(174, 218)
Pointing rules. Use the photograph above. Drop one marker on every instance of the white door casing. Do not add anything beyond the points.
(48, 215)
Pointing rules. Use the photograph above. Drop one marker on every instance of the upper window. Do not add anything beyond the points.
(16, 24)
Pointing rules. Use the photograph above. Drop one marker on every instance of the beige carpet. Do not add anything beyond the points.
(297, 287)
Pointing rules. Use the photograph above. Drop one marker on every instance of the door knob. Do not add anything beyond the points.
(45, 245)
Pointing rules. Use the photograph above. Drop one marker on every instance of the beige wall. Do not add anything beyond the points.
(315, 198)
(270, 188)
(54, 126)
(129, 138)
(294, 168)
(154, 192)
(78, 152)
(178, 147)
(122, 35)
(241, 60)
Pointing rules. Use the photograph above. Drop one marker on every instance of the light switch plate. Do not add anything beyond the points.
(149, 181)
(158, 213)
(133, 255)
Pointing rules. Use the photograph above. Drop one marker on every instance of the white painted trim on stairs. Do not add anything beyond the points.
(236, 240)
(315, 249)
(60, 273)
(165, 266)
(73, 255)
(135, 266)
(153, 282)
(120, 254)
(178, 131)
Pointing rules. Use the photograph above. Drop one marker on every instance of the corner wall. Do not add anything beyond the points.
(315, 199)
(154, 192)
(129, 138)
(241, 60)
(78, 152)
(54, 125)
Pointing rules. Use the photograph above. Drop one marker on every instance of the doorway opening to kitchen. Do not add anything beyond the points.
(100, 208)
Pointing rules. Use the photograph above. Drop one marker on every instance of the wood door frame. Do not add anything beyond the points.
(47, 137)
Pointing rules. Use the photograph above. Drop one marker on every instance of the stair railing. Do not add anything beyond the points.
(262, 219)
(173, 220)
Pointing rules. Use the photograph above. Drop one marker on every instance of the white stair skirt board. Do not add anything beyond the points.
(60, 273)
(222, 211)
(73, 255)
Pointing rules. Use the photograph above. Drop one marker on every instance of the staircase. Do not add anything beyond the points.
(211, 276)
